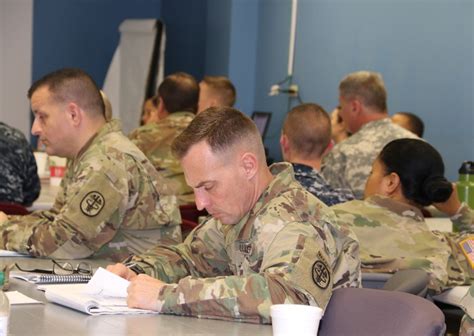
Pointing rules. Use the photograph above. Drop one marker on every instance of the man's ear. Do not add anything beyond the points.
(284, 144)
(391, 184)
(249, 164)
(75, 113)
(162, 113)
(356, 106)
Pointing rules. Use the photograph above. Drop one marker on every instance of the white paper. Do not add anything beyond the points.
(74, 296)
(16, 297)
(107, 284)
(452, 296)
(5, 253)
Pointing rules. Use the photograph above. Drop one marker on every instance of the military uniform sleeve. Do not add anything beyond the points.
(333, 169)
(464, 219)
(202, 254)
(86, 221)
(295, 269)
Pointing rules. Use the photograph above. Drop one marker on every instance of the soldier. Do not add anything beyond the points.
(268, 240)
(178, 96)
(19, 181)
(363, 102)
(305, 137)
(406, 176)
(216, 91)
(409, 121)
(112, 203)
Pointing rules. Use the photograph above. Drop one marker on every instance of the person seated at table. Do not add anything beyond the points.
(268, 241)
(19, 180)
(409, 121)
(178, 96)
(408, 175)
(112, 202)
(305, 137)
(216, 91)
(149, 111)
(338, 126)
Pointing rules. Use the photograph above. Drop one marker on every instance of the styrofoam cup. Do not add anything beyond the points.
(295, 319)
(41, 163)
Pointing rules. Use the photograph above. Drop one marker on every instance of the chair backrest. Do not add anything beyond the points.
(13, 208)
(363, 311)
(413, 281)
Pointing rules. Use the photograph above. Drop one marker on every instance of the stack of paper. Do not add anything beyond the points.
(106, 293)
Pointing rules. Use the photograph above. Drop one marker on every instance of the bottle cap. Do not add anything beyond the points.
(467, 167)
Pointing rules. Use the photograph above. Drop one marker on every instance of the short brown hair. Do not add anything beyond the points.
(180, 92)
(70, 84)
(367, 86)
(308, 128)
(222, 88)
(221, 127)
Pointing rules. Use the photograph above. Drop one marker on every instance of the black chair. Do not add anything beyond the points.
(364, 311)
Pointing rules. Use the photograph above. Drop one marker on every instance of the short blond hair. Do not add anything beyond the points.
(222, 88)
(308, 129)
(222, 128)
(367, 86)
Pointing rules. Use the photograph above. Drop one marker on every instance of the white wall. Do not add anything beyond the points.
(16, 27)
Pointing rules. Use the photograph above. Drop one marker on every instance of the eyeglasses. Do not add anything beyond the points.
(65, 268)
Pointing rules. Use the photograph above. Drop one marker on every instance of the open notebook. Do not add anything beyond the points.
(104, 294)
(42, 278)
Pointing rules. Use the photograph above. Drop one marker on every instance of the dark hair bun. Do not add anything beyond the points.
(437, 188)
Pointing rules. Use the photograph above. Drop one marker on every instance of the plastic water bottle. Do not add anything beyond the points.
(4, 308)
(465, 185)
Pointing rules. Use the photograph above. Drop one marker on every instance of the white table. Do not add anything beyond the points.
(46, 198)
(52, 319)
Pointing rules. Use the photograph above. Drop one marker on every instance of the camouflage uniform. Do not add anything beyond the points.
(155, 141)
(349, 163)
(19, 181)
(285, 250)
(111, 204)
(394, 235)
(315, 183)
(467, 322)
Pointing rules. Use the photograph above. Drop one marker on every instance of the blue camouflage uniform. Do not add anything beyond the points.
(19, 181)
(315, 183)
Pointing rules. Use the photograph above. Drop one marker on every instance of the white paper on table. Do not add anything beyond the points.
(16, 297)
(107, 284)
(452, 296)
(5, 253)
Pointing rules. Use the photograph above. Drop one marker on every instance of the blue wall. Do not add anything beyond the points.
(82, 33)
(424, 50)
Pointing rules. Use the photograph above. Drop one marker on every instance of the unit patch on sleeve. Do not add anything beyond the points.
(92, 203)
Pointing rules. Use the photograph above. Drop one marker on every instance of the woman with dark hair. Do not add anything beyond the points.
(406, 176)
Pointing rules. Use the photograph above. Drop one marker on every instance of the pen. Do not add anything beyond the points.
(128, 259)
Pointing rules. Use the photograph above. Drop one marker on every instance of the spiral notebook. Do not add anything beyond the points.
(42, 278)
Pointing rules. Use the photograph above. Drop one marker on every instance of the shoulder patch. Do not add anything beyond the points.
(92, 204)
(321, 274)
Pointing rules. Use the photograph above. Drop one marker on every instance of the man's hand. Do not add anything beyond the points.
(3, 217)
(122, 271)
(143, 292)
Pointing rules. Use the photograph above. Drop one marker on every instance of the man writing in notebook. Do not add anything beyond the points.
(268, 240)
(112, 202)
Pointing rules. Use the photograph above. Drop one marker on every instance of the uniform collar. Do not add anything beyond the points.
(400, 208)
(112, 126)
